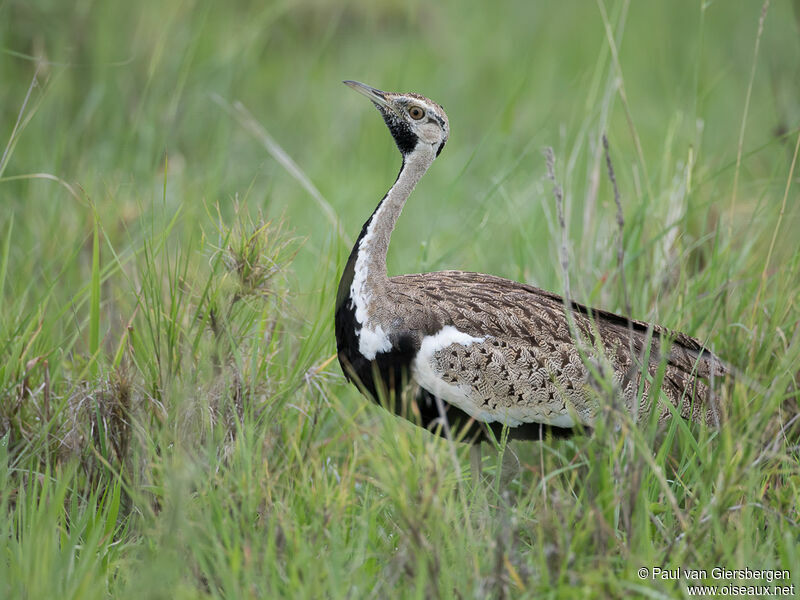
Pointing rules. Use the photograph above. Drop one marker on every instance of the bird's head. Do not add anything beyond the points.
(412, 119)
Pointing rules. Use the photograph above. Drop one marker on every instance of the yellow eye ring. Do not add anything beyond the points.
(416, 113)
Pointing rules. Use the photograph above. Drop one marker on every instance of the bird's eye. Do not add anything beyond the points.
(416, 113)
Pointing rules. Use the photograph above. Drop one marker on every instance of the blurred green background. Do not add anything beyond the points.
(124, 85)
(170, 427)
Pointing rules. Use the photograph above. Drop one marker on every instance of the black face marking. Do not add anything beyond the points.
(405, 139)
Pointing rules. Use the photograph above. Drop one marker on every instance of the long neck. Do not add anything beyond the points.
(365, 273)
(374, 243)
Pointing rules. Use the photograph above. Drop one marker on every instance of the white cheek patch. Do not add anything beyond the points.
(430, 133)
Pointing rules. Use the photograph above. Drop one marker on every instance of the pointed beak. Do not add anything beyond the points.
(376, 95)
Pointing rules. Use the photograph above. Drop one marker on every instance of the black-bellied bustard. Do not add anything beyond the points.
(484, 351)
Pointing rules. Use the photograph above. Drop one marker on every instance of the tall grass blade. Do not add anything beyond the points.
(4, 256)
(94, 304)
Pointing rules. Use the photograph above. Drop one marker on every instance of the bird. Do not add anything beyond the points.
(482, 353)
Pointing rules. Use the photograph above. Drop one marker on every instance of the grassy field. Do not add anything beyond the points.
(180, 184)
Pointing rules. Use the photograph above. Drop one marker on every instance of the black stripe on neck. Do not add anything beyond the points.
(343, 293)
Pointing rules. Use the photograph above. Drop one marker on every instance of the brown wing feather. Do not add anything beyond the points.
(482, 305)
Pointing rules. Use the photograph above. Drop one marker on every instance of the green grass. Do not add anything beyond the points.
(180, 183)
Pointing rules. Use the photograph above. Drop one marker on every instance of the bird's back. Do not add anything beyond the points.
(506, 352)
